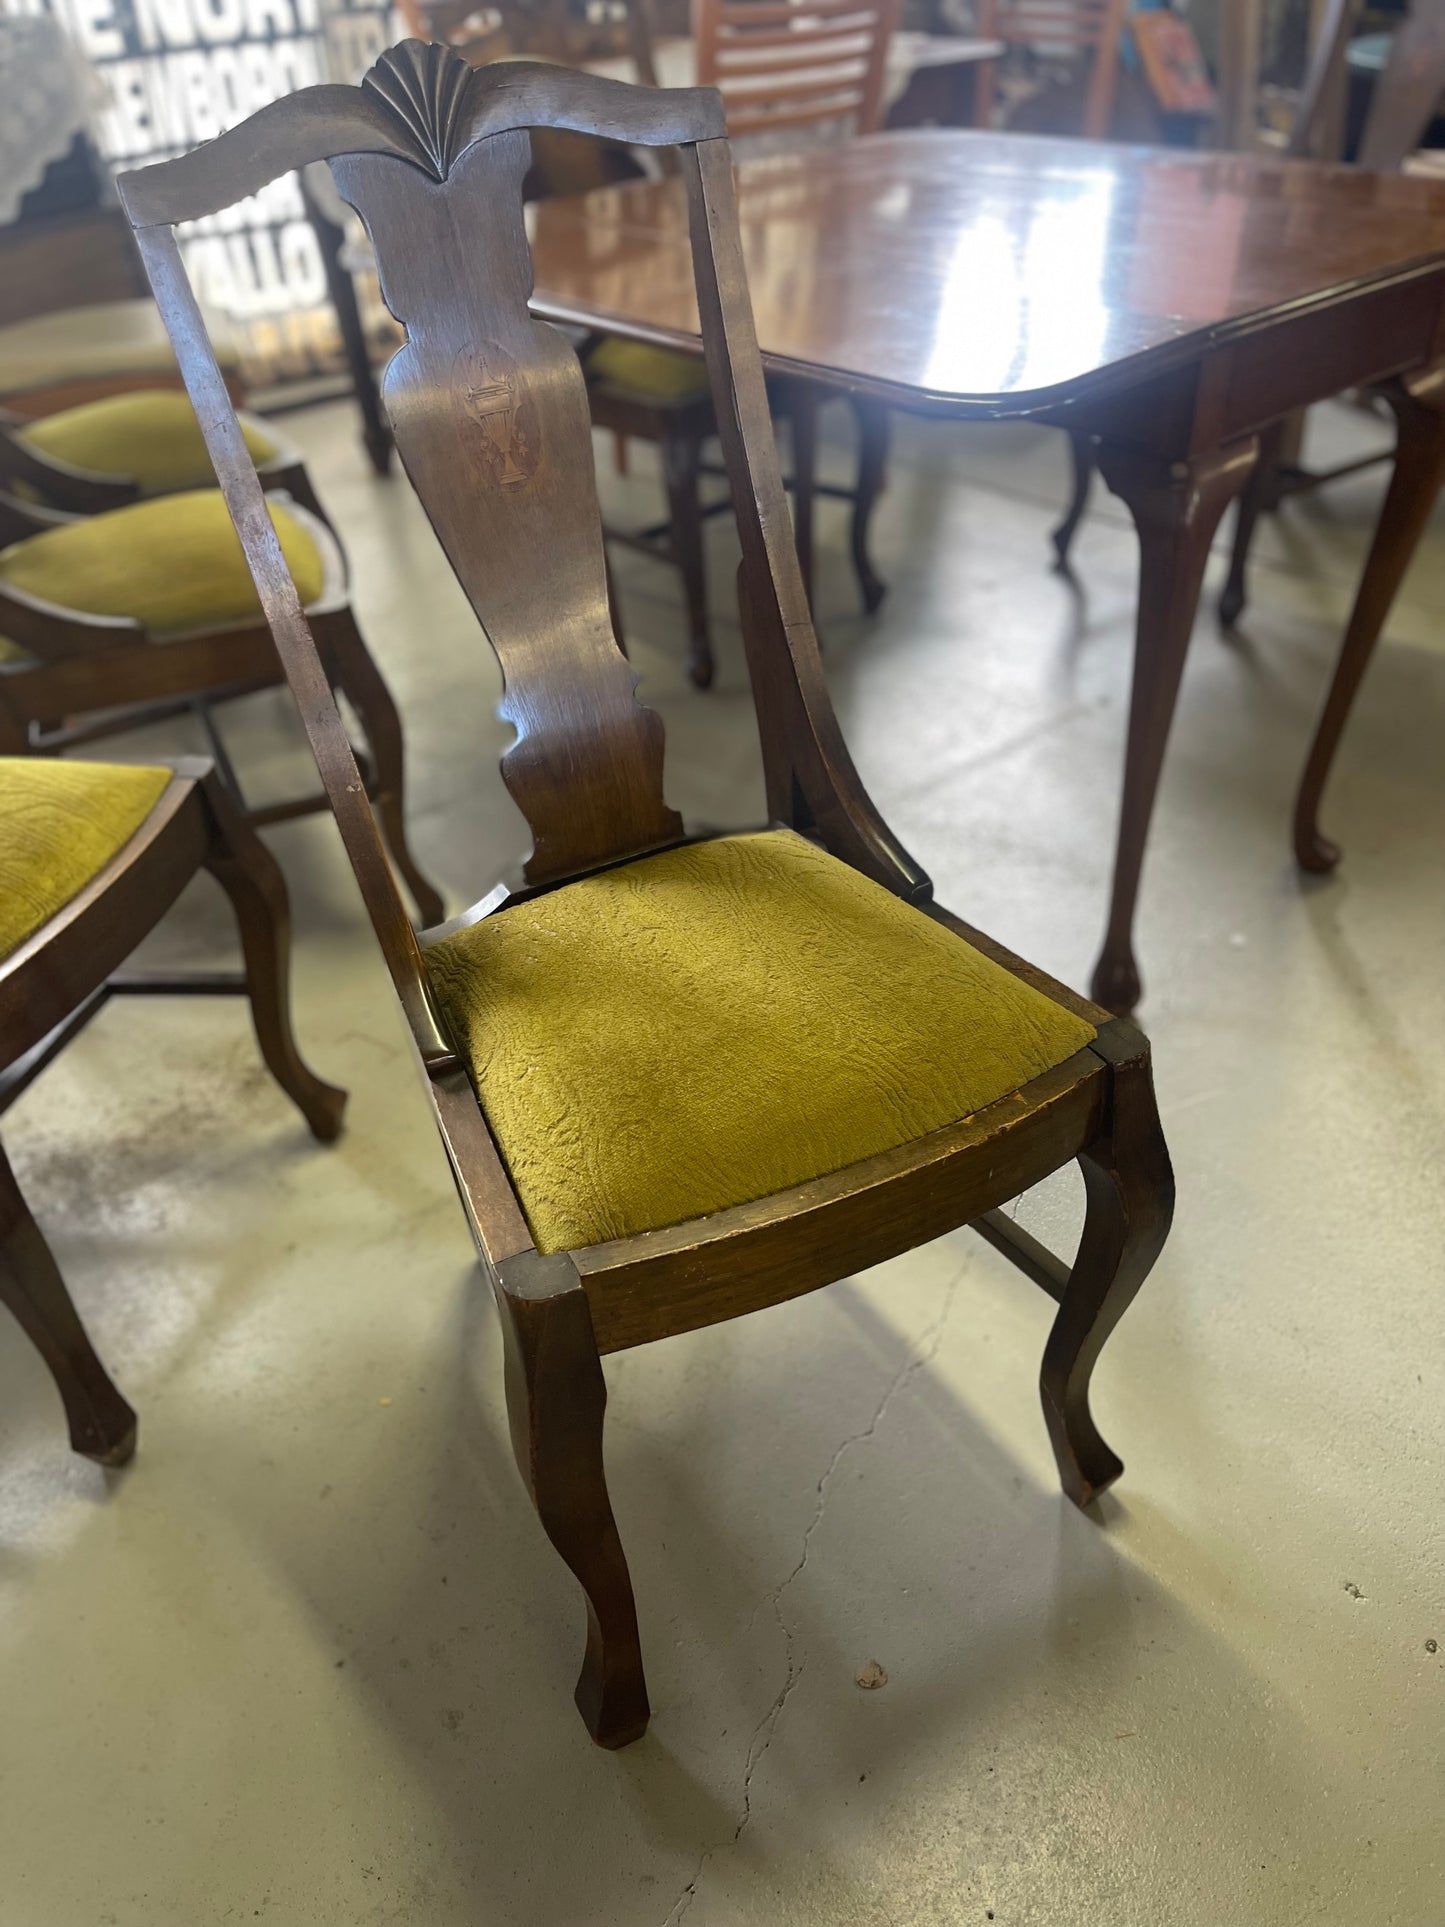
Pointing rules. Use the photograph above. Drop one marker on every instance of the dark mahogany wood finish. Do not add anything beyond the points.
(492, 425)
(1164, 306)
(61, 976)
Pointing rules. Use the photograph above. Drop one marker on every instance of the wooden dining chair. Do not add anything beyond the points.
(146, 611)
(788, 72)
(1085, 31)
(1090, 31)
(784, 72)
(92, 856)
(678, 1078)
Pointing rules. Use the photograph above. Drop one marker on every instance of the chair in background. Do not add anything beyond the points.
(128, 448)
(1402, 107)
(1085, 30)
(781, 66)
(1404, 103)
(74, 328)
(76, 320)
(146, 611)
(784, 73)
(678, 1079)
(767, 68)
(91, 858)
(1090, 31)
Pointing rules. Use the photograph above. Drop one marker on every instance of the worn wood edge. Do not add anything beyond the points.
(286, 134)
(493, 1210)
(795, 1241)
(1020, 967)
(37, 990)
(38, 626)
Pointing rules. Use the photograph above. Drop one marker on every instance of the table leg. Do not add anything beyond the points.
(1418, 402)
(1081, 455)
(1176, 508)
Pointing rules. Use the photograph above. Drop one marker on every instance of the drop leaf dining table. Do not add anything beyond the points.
(1168, 306)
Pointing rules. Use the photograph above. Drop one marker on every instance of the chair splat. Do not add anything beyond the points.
(490, 415)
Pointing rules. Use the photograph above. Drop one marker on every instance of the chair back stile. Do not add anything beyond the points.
(491, 419)
(310, 686)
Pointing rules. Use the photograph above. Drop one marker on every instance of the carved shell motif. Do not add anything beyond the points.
(425, 86)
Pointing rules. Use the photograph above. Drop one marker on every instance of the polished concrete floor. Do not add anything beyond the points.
(309, 1661)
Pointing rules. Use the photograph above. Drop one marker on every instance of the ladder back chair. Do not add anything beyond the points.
(790, 70)
(92, 856)
(678, 1079)
(783, 65)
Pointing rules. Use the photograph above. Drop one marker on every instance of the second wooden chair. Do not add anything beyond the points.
(146, 611)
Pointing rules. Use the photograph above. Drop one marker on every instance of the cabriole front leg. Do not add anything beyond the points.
(1176, 508)
(1418, 402)
(556, 1400)
(252, 879)
(1129, 1187)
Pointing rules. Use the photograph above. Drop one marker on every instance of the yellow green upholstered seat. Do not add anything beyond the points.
(173, 565)
(60, 824)
(660, 372)
(718, 1022)
(151, 435)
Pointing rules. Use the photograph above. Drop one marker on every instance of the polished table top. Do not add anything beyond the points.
(995, 274)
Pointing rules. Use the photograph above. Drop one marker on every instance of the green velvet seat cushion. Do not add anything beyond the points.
(151, 436)
(718, 1022)
(660, 372)
(173, 565)
(60, 824)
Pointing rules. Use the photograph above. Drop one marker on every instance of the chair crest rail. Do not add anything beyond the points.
(424, 105)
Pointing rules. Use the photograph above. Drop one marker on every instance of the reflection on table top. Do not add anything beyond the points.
(992, 274)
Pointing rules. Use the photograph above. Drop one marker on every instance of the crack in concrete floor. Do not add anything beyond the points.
(765, 1732)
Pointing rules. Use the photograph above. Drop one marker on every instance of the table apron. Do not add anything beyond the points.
(1239, 386)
